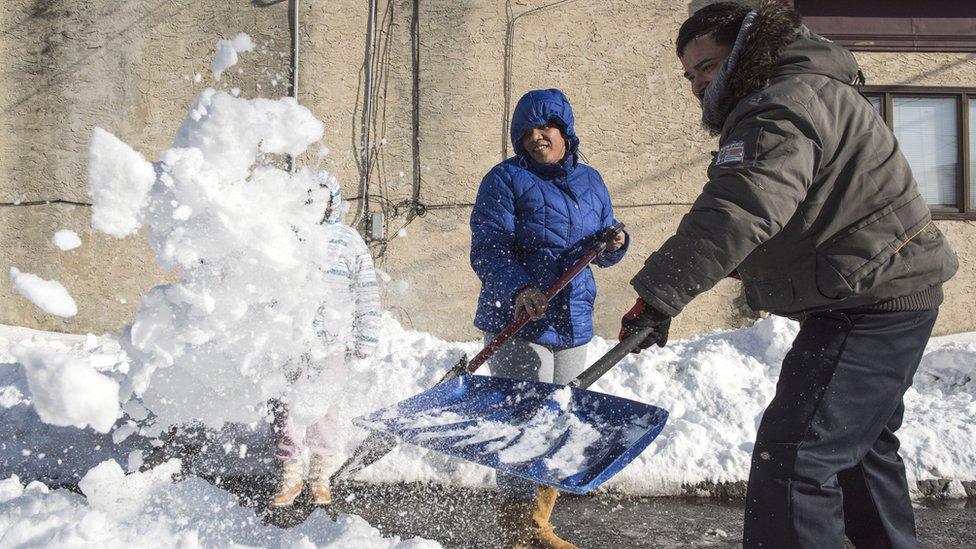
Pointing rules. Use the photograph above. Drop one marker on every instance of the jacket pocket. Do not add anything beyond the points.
(769, 295)
(867, 254)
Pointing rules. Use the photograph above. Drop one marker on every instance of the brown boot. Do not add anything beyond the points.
(318, 480)
(514, 520)
(291, 484)
(543, 534)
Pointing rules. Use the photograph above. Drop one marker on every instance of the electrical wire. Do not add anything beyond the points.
(507, 63)
(45, 202)
(363, 208)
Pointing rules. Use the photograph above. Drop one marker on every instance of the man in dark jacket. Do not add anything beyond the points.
(810, 202)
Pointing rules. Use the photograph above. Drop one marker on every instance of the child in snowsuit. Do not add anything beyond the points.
(351, 273)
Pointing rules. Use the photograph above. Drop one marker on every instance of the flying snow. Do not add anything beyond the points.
(119, 180)
(66, 240)
(225, 56)
(67, 391)
(49, 295)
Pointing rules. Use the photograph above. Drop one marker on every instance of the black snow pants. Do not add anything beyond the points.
(826, 461)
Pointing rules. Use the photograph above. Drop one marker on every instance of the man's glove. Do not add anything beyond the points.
(641, 316)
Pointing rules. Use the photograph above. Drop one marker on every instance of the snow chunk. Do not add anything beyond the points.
(110, 490)
(226, 55)
(49, 295)
(10, 488)
(66, 390)
(66, 240)
(242, 43)
(120, 180)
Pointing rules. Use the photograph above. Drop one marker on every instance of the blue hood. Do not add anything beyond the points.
(537, 108)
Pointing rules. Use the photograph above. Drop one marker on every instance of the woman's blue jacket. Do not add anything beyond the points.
(529, 224)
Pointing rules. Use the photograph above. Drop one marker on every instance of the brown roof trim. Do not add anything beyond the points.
(926, 90)
(948, 26)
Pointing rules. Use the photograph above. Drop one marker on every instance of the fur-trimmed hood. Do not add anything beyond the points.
(778, 45)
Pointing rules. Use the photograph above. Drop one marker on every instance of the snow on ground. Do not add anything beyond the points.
(66, 239)
(715, 387)
(149, 510)
(49, 295)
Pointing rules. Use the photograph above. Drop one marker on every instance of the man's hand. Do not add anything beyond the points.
(641, 316)
(618, 241)
(532, 301)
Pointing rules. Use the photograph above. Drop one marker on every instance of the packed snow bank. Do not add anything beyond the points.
(714, 386)
(49, 295)
(149, 510)
(66, 240)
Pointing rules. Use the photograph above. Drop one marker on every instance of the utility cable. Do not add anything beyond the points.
(45, 202)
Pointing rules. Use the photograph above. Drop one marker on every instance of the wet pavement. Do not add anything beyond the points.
(461, 517)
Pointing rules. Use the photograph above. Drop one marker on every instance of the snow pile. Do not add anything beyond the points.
(66, 240)
(49, 295)
(225, 56)
(149, 510)
(67, 391)
(119, 179)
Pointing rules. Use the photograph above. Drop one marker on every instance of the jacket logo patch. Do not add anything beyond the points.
(733, 152)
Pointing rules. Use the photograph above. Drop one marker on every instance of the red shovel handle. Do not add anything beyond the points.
(606, 237)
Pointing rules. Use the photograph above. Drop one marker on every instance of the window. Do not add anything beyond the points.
(934, 128)
(893, 25)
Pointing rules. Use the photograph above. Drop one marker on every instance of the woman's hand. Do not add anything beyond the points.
(532, 301)
(618, 242)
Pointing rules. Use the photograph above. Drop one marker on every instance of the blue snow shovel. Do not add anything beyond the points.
(562, 436)
(379, 443)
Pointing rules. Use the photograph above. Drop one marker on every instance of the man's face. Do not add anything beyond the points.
(702, 59)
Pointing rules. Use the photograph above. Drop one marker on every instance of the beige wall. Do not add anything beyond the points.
(70, 69)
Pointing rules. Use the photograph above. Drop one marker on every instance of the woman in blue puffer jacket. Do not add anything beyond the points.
(535, 214)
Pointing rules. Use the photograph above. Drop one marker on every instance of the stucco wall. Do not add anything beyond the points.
(74, 64)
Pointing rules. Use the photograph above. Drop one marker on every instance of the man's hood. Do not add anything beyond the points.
(537, 108)
(813, 54)
(779, 45)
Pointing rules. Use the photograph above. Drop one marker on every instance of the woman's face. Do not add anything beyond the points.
(545, 144)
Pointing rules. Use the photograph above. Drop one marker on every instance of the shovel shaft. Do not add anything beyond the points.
(609, 360)
(602, 243)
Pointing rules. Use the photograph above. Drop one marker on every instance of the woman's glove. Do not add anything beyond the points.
(532, 301)
(618, 241)
(641, 316)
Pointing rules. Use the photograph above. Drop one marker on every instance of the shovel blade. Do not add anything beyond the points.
(561, 436)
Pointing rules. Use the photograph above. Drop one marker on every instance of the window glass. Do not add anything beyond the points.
(875, 102)
(926, 131)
